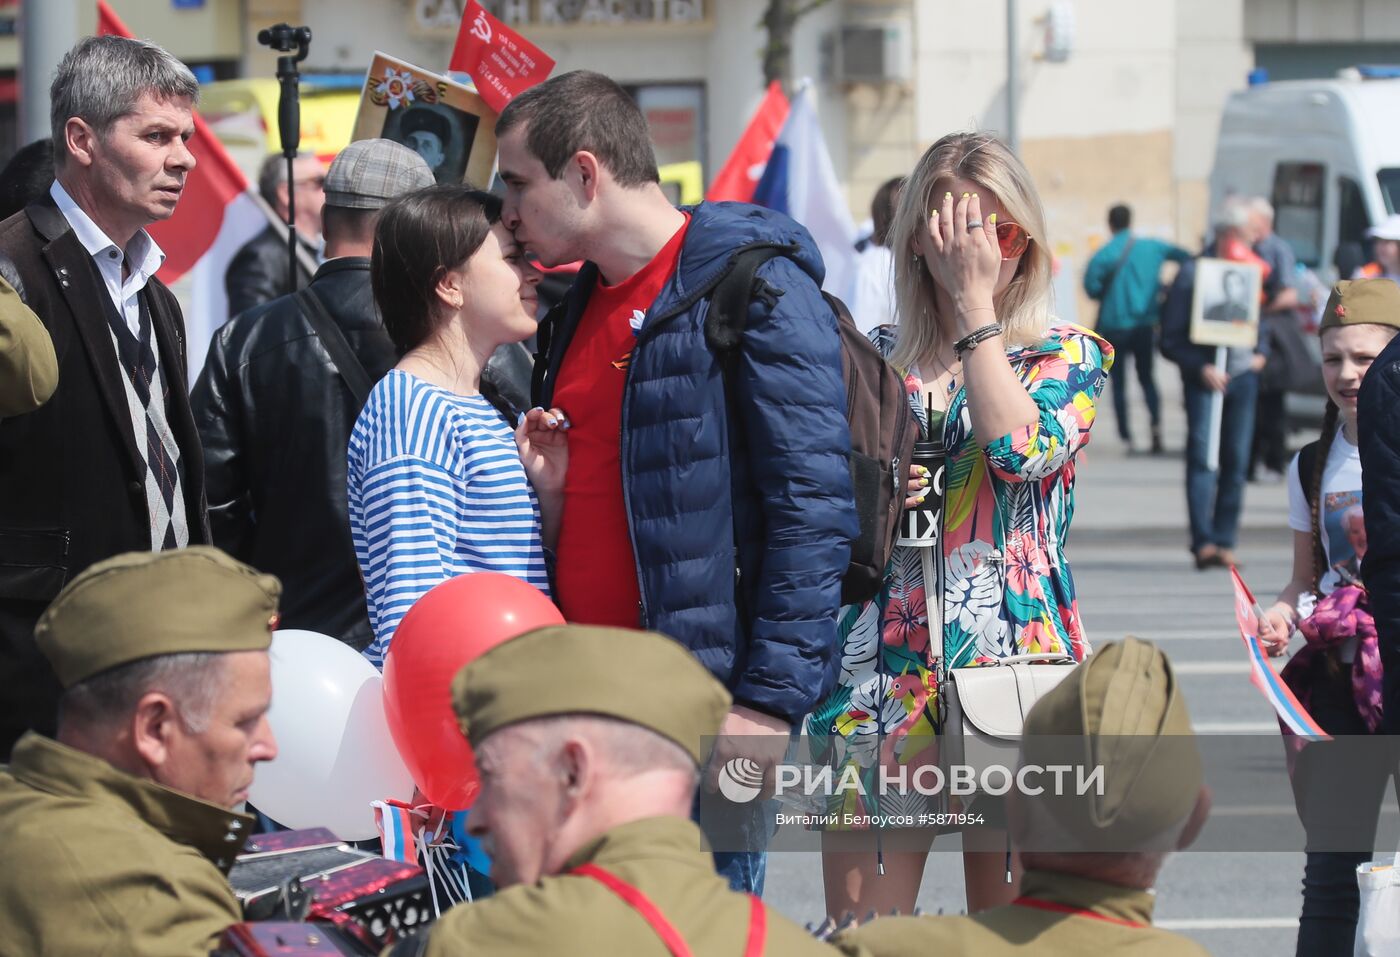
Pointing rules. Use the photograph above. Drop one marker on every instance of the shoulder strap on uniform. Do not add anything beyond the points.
(342, 356)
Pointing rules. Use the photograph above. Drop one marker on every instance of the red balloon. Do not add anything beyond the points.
(454, 623)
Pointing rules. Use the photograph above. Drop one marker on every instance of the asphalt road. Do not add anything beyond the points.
(1128, 550)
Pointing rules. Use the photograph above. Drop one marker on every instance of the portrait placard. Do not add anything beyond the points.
(446, 123)
(1225, 305)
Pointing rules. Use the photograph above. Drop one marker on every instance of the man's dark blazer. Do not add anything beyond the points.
(72, 476)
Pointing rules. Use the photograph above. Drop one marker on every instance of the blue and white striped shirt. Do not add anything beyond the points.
(436, 490)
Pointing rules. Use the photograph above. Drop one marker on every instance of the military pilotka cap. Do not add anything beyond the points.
(1356, 302)
(146, 604)
(369, 173)
(637, 676)
(1121, 710)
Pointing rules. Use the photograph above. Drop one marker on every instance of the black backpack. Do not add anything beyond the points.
(883, 427)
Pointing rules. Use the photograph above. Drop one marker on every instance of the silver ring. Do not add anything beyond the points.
(974, 224)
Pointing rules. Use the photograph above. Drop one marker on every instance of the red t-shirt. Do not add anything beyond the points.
(596, 572)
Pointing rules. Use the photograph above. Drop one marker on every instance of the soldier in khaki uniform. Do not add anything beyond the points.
(589, 742)
(1091, 860)
(28, 366)
(118, 835)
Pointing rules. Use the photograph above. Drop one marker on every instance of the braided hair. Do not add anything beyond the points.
(1324, 448)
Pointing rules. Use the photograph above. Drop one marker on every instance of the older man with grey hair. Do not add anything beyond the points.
(258, 272)
(120, 831)
(112, 462)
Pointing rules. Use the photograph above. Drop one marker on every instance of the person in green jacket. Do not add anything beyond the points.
(28, 367)
(119, 833)
(588, 774)
(1123, 278)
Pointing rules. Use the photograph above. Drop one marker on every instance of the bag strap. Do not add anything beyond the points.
(331, 336)
(1117, 267)
(730, 298)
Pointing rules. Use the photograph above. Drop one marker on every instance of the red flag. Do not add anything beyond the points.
(744, 168)
(501, 61)
(216, 215)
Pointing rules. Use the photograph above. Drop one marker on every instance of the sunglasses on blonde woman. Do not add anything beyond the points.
(1012, 239)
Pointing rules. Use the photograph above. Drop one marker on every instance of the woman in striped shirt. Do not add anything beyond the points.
(439, 483)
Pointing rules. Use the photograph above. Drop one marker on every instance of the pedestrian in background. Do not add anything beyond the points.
(1214, 499)
(1288, 365)
(440, 483)
(258, 271)
(111, 463)
(1385, 247)
(1012, 397)
(872, 302)
(279, 377)
(1337, 676)
(1124, 276)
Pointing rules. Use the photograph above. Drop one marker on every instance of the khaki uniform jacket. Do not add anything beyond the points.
(28, 366)
(664, 858)
(101, 863)
(1070, 916)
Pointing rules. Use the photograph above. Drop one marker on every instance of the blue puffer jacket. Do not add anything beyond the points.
(759, 612)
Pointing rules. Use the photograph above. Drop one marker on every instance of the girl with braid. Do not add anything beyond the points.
(1336, 675)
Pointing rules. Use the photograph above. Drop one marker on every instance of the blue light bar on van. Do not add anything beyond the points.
(1378, 71)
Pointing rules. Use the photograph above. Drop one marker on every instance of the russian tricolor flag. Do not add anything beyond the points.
(800, 181)
(1288, 708)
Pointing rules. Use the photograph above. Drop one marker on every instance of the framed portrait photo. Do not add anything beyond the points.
(444, 122)
(1225, 304)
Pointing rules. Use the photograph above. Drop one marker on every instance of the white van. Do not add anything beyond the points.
(1326, 153)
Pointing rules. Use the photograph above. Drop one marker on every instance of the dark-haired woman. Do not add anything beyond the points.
(440, 483)
(1337, 674)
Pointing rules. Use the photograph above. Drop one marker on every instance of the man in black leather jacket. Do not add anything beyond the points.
(275, 414)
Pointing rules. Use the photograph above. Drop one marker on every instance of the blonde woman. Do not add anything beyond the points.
(1013, 396)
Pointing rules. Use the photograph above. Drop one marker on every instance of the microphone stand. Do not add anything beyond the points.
(294, 43)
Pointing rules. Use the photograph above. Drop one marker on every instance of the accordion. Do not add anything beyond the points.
(307, 892)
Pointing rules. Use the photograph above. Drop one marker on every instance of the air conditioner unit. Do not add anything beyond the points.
(871, 53)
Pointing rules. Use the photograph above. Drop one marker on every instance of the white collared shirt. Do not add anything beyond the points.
(143, 258)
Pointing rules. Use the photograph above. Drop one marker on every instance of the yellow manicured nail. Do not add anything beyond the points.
(948, 195)
(992, 219)
(964, 196)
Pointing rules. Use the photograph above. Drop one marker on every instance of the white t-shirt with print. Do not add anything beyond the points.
(1343, 528)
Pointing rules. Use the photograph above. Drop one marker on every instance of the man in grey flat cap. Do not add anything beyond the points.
(293, 374)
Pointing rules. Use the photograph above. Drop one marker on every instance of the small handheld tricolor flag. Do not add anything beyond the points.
(396, 831)
(1262, 676)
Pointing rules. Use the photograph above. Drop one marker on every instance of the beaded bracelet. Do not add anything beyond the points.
(970, 341)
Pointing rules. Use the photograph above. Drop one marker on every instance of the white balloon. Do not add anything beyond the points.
(334, 751)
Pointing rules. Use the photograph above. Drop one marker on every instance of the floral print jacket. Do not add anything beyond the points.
(1007, 588)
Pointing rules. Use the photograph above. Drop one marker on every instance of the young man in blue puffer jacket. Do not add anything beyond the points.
(728, 529)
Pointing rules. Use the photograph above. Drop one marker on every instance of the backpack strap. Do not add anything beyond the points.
(331, 336)
(1307, 463)
(729, 300)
